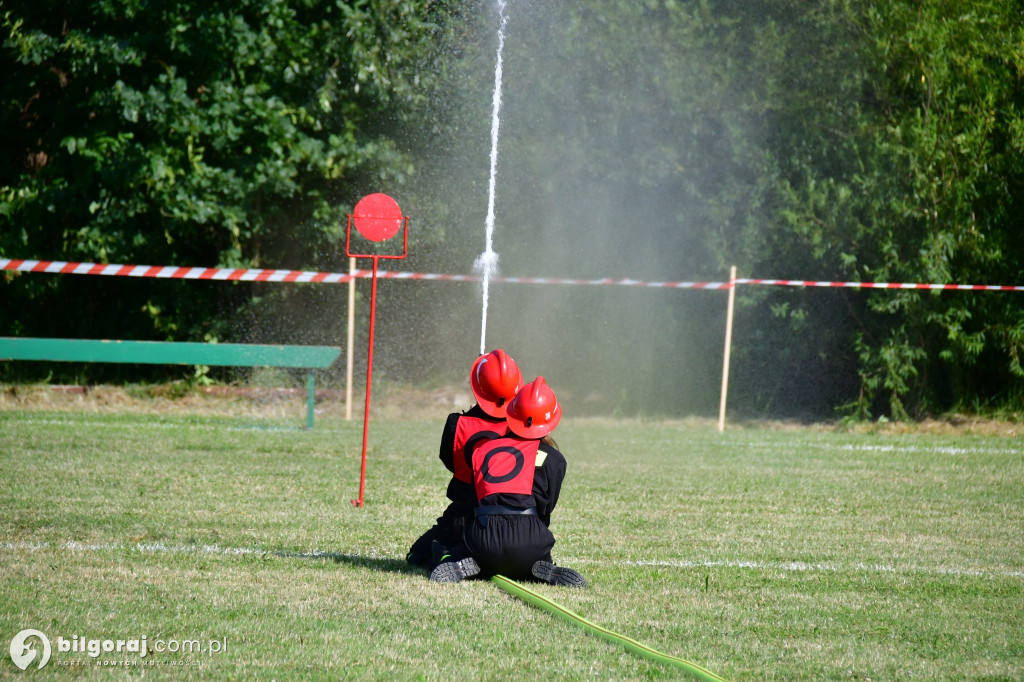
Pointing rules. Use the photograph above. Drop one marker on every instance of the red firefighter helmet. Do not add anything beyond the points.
(495, 380)
(534, 412)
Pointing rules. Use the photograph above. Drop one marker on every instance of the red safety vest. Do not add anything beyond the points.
(504, 465)
(468, 432)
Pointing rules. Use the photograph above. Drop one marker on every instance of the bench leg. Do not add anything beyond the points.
(311, 391)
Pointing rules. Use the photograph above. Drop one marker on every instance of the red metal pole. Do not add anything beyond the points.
(369, 382)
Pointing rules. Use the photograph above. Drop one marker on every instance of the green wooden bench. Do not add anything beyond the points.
(174, 353)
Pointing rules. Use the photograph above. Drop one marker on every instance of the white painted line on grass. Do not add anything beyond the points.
(787, 566)
(888, 447)
(943, 450)
(818, 444)
(160, 548)
(181, 426)
(800, 566)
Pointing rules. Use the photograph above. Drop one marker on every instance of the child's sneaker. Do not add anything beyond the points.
(557, 575)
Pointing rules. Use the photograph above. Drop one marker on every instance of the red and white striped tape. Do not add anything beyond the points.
(880, 285)
(261, 275)
(171, 272)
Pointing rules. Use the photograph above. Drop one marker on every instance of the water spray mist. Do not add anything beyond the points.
(486, 264)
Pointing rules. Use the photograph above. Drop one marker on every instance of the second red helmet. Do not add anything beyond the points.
(534, 412)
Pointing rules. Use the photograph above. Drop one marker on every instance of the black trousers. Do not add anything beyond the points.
(508, 544)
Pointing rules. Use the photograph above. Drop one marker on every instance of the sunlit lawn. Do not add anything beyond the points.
(798, 554)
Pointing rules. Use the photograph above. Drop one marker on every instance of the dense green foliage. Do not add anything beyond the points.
(832, 140)
(218, 133)
(900, 161)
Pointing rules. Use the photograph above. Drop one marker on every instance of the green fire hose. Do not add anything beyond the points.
(541, 602)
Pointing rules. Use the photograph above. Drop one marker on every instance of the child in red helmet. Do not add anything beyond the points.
(494, 379)
(510, 534)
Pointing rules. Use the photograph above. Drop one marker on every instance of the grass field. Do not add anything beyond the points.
(758, 554)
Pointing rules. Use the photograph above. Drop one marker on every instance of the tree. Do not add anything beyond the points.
(905, 166)
(653, 139)
(223, 132)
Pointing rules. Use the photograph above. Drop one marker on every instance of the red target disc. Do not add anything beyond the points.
(377, 217)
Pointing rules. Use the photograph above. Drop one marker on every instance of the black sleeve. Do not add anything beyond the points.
(547, 482)
(447, 451)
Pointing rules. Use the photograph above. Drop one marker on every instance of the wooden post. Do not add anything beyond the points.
(728, 345)
(351, 337)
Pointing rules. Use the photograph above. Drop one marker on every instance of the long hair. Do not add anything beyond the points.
(549, 441)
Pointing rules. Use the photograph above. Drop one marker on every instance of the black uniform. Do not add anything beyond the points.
(461, 432)
(516, 482)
